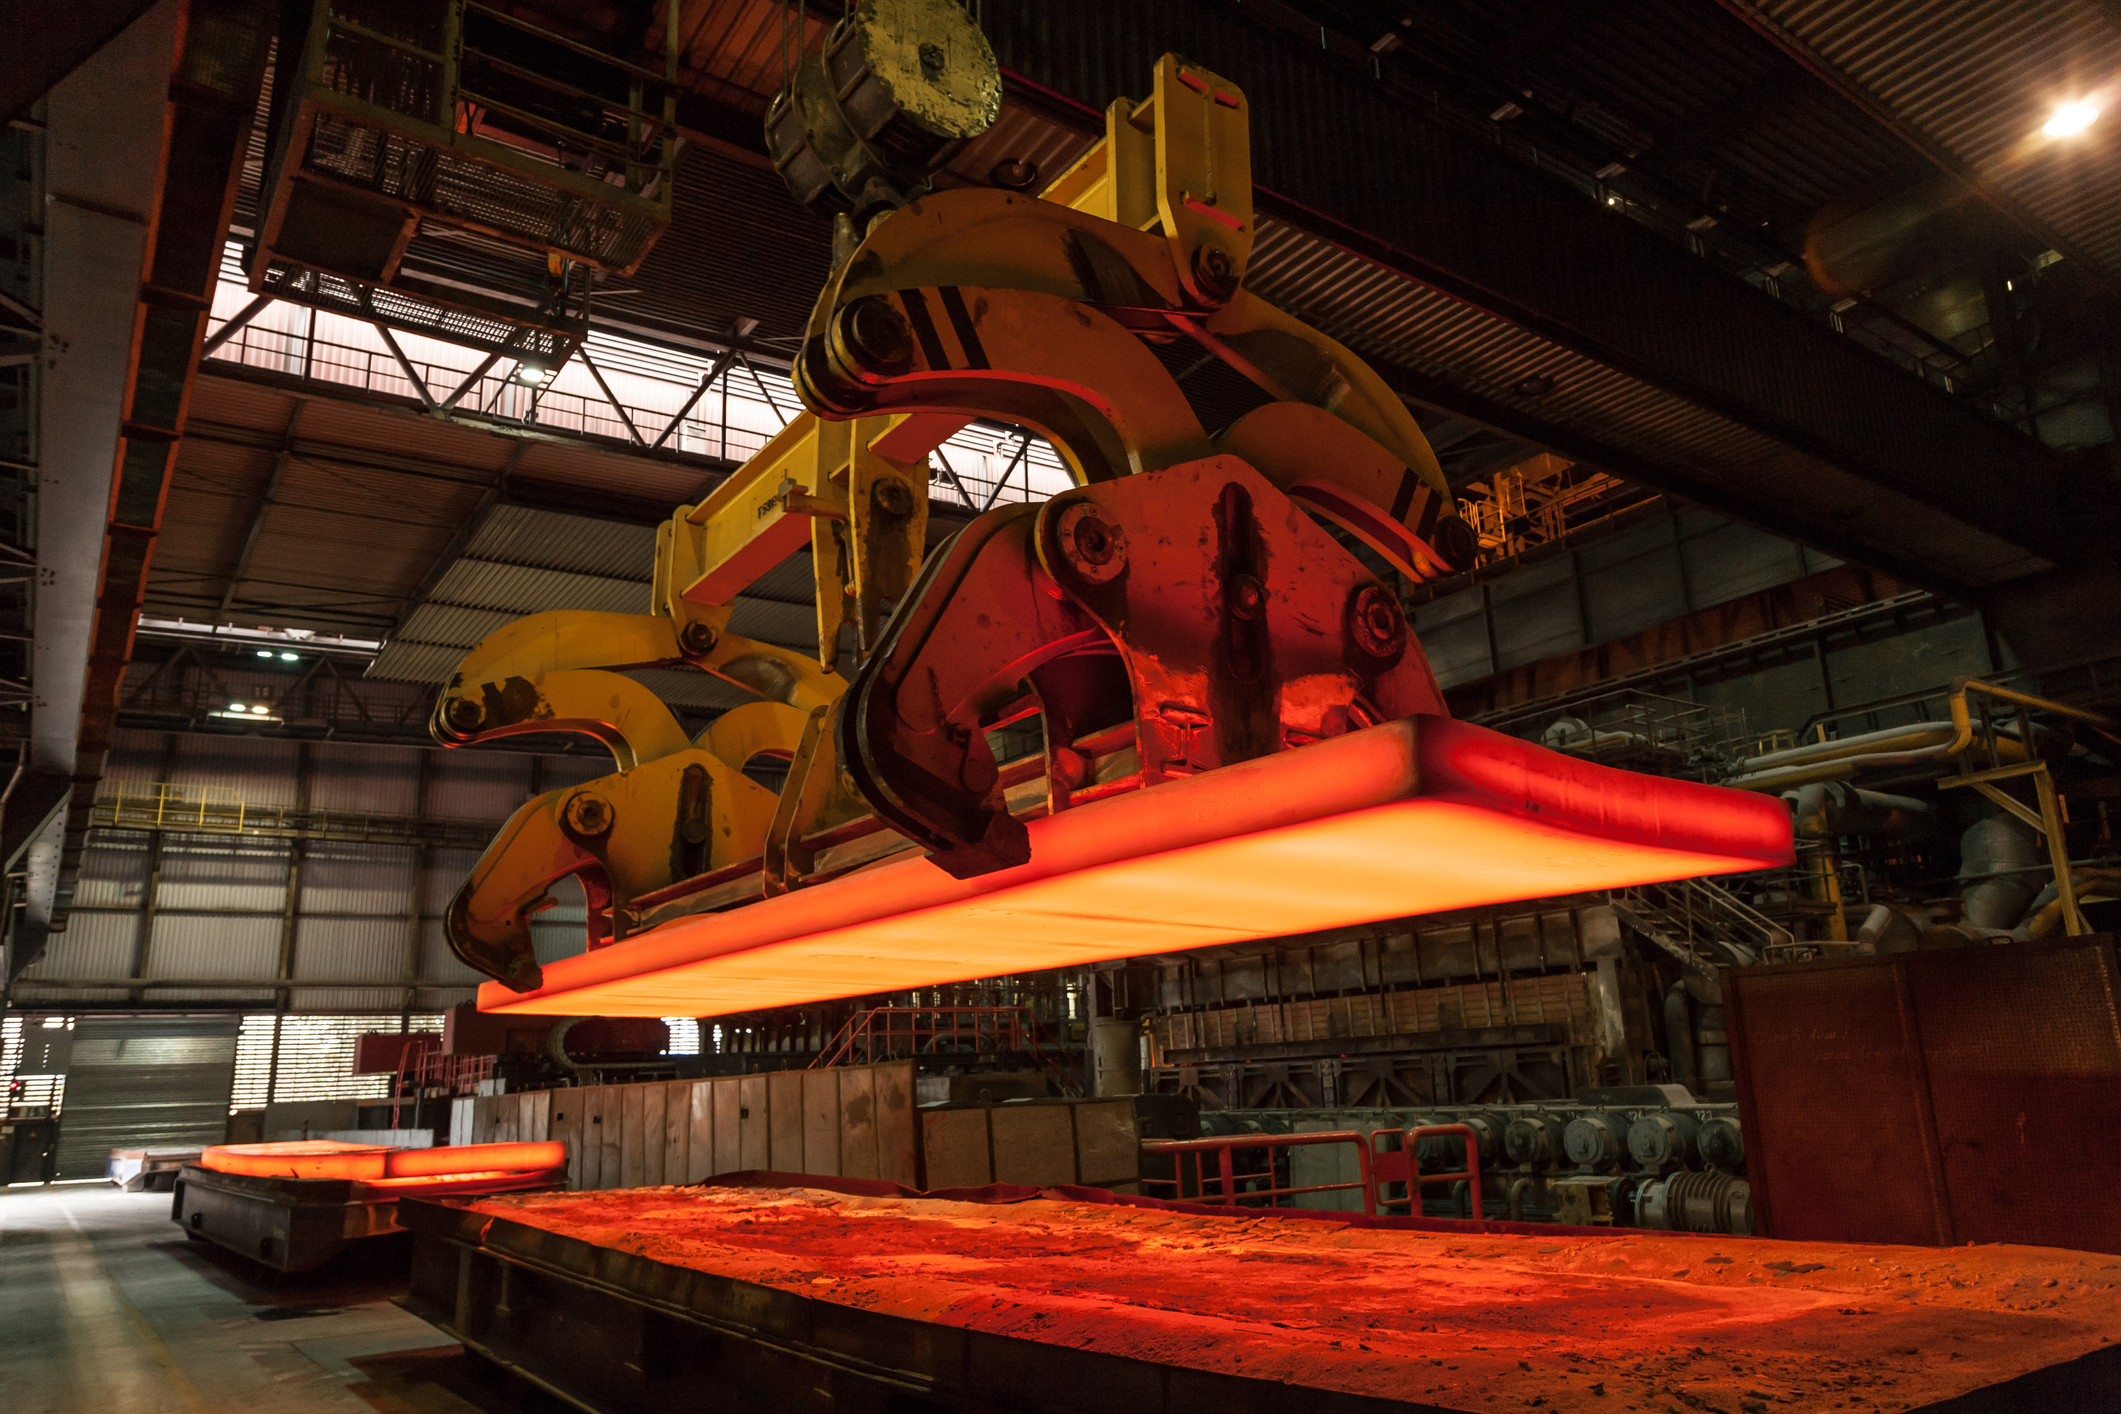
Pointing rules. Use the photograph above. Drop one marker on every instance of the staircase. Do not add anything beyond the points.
(1701, 923)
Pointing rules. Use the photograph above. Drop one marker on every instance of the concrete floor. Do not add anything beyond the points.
(105, 1306)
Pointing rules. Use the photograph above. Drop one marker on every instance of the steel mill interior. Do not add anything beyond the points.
(1160, 706)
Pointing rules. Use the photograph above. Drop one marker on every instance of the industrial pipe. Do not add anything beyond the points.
(1679, 1038)
(1995, 855)
(1921, 743)
(1825, 809)
(2046, 912)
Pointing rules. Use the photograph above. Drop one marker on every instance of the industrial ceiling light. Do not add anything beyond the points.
(2071, 119)
(237, 707)
(286, 657)
(265, 652)
(532, 374)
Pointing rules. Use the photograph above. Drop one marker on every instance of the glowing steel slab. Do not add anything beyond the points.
(379, 1164)
(1411, 817)
(1102, 1307)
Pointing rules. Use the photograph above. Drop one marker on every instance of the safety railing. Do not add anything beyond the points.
(1387, 1167)
(424, 1072)
(161, 805)
(1394, 1162)
(1230, 1185)
(890, 1033)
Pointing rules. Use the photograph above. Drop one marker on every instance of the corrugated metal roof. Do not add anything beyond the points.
(403, 660)
(740, 247)
(486, 584)
(1384, 315)
(1974, 81)
(790, 625)
(521, 535)
(445, 624)
(684, 687)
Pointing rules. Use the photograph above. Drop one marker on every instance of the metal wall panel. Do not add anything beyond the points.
(1621, 583)
(201, 945)
(1633, 580)
(1988, 1072)
(93, 945)
(353, 949)
(260, 770)
(1724, 560)
(445, 872)
(1887, 667)
(145, 1083)
(367, 780)
(1537, 612)
(207, 871)
(478, 785)
(355, 878)
(135, 755)
(113, 871)
(1454, 634)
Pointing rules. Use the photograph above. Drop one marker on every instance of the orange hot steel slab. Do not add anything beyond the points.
(1410, 817)
(1062, 1305)
(381, 1163)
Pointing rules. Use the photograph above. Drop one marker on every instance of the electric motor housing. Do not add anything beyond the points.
(1723, 1144)
(1535, 1140)
(1696, 1202)
(1663, 1141)
(1595, 1142)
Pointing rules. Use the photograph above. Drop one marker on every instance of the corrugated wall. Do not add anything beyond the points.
(363, 913)
(1620, 584)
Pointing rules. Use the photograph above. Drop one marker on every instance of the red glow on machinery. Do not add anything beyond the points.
(1410, 817)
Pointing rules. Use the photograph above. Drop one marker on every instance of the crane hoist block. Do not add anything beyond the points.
(1412, 816)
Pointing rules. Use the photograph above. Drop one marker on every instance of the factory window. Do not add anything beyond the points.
(288, 1058)
(33, 1092)
(684, 1036)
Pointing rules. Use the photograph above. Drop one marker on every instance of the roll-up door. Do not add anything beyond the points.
(145, 1083)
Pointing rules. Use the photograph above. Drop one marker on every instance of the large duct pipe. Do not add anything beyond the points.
(1713, 1045)
(1679, 1038)
(1889, 930)
(1998, 861)
(1826, 809)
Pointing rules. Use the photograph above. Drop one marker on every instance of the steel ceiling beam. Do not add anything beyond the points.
(1350, 159)
(51, 41)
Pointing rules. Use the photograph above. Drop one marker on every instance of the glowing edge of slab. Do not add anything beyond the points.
(1411, 817)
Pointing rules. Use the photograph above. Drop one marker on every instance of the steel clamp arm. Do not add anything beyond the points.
(624, 835)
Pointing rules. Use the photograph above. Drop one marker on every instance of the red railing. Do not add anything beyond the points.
(1257, 1184)
(1384, 1157)
(1395, 1159)
(425, 1073)
(894, 1033)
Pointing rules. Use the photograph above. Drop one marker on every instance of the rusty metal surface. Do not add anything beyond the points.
(1988, 1110)
(1058, 1304)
